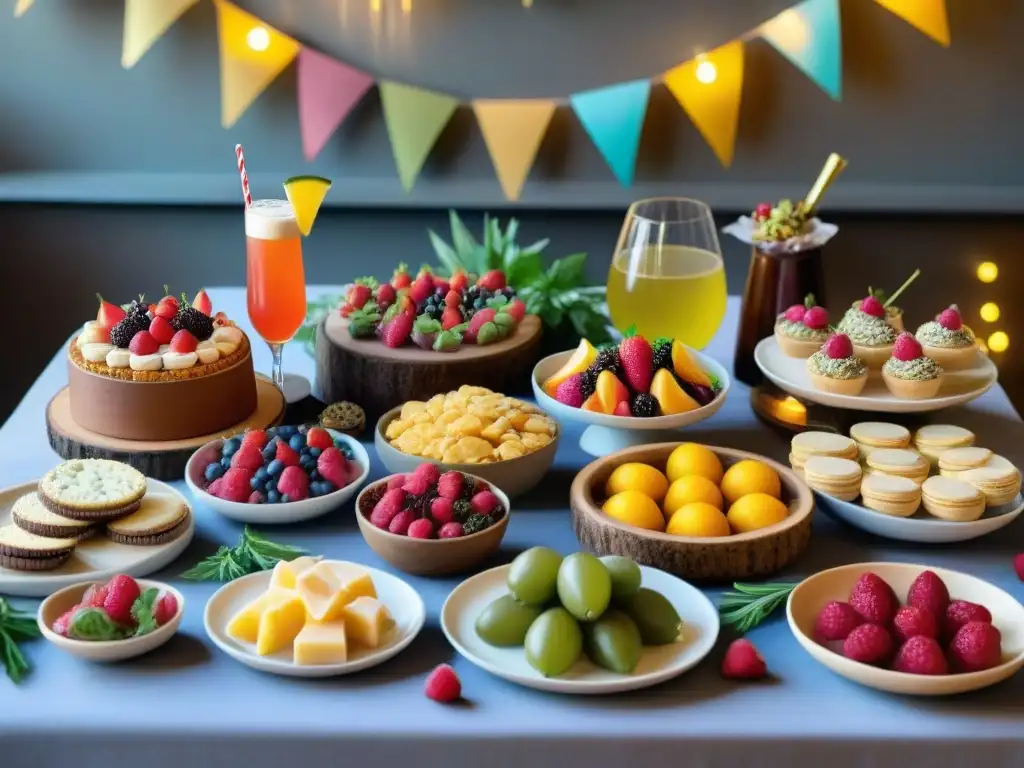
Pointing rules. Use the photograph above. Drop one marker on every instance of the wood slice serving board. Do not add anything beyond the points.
(378, 378)
(162, 460)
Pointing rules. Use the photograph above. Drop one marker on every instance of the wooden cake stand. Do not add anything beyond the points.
(162, 460)
(378, 378)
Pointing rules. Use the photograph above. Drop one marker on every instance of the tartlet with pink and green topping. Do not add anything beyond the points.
(802, 329)
(948, 341)
(835, 369)
(871, 335)
(909, 373)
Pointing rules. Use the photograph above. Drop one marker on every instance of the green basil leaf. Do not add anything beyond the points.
(524, 268)
(94, 624)
(142, 612)
(567, 272)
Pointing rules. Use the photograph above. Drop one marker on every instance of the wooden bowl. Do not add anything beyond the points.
(726, 558)
(429, 557)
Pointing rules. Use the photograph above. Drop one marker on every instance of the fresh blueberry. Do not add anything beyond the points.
(225, 461)
(270, 485)
(255, 484)
(230, 446)
(307, 463)
(314, 475)
(275, 468)
(273, 497)
(297, 442)
(314, 490)
(270, 450)
(285, 498)
(328, 487)
(315, 452)
(262, 474)
(287, 431)
(213, 471)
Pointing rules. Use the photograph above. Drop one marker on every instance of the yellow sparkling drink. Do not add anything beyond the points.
(676, 291)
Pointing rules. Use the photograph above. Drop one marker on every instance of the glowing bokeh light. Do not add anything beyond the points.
(706, 73)
(989, 312)
(988, 272)
(258, 38)
(998, 341)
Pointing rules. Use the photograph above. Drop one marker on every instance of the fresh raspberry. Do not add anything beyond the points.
(976, 646)
(442, 510)
(396, 481)
(516, 309)
(816, 318)
(255, 437)
(450, 484)
(911, 621)
(215, 487)
(143, 343)
(184, 342)
(836, 621)
(929, 591)
(294, 482)
(950, 319)
(385, 295)
(838, 347)
(257, 498)
(570, 391)
(906, 348)
(235, 485)
(795, 313)
(453, 299)
(763, 211)
(484, 502)
(451, 317)
(332, 465)
(428, 471)
(94, 596)
(161, 330)
(384, 511)
(868, 643)
(493, 280)
(961, 612)
(921, 655)
(122, 592)
(358, 295)
(166, 608)
(416, 485)
(248, 457)
(622, 409)
(743, 662)
(873, 599)
(286, 454)
(872, 306)
(400, 523)
(318, 437)
(60, 626)
(450, 530)
(1018, 566)
(421, 529)
(443, 684)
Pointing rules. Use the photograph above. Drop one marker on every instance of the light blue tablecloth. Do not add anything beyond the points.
(189, 704)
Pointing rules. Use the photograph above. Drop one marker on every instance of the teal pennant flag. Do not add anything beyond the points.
(809, 35)
(614, 119)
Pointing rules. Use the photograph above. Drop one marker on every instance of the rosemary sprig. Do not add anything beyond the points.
(254, 552)
(15, 625)
(751, 604)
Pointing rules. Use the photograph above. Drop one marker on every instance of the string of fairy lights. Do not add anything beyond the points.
(997, 341)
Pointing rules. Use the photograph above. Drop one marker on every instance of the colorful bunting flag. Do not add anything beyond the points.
(709, 88)
(614, 119)
(21, 7)
(513, 130)
(415, 118)
(252, 54)
(808, 35)
(328, 91)
(929, 16)
(144, 24)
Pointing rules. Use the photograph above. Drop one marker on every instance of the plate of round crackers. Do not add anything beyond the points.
(88, 519)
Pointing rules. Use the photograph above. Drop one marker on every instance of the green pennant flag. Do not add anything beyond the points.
(415, 118)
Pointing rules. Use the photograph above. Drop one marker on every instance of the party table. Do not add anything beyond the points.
(189, 704)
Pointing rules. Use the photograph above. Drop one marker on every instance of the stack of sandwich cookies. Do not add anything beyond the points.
(931, 440)
(31, 515)
(92, 490)
(950, 499)
(870, 435)
(957, 460)
(1000, 484)
(840, 478)
(24, 551)
(161, 518)
(900, 462)
(890, 495)
(807, 444)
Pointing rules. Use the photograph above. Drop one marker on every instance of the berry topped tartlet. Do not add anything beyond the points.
(908, 373)
(802, 329)
(947, 340)
(867, 328)
(834, 368)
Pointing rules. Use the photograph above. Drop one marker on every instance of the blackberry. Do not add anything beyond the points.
(663, 353)
(463, 509)
(192, 320)
(476, 523)
(607, 360)
(124, 331)
(644, 405)
(588, 383)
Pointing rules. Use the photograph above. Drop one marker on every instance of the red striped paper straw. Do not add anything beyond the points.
(245, 177)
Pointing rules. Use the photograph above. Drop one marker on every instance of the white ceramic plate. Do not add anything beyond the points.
(402, 601)
(95, 559)
(293, 511)
(814, 592)
(920, 527)
(790, 374)
(657, 664)
(608, 434)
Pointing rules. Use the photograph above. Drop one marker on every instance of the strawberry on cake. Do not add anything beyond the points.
(909, 373)
(835, 369)
(802, 329)
(871, 334)
(947, 340)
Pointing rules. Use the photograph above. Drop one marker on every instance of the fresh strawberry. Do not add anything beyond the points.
(286, 454)
(122, 592)
(921, 655)
(622, 409)
(249, 457)
(449, 485)
(60, 626)
(743, 662)
(387, 508)
(930, 592)
(838, 347)
(637, 360)
(911, 621)
(346, 309)
(215, 487)
(961, 612)
(836, 621)
(451, 317)
(906, 348)
(358, 295)
(453, 299)
(333, 466)
(872, 306)
(255, 437)
(816, 318)
(406, 304)
(235, 485)
(443, 685)
(385, 295)
(795, 313)
(516, 309)
(421, 529)
(401, 278)
(257, 498)
(976, 646)
(950, 318)
(493, 280)
(318, 437)
(398, 331)
(421, 288)
(184, 342)
(160, 329)
(869, 644)
(94, 596)
(482, 316)
(109, 314)
(442, 285)
(762, 211)
(165, 609)
(874, 599)
(459, 281)
(143, 343)
(168, 306)
(425, 270)
(202, 303)
(294, 482)
(570, 391)
(442, 510)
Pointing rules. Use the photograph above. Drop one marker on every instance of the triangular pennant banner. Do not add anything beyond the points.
(415, 118)
(252, 54)
(929, 16)
(21, 7)
(328, 91)
(614, 119)
(709, 88)
(808, 35)
(513, 130)
(145, 22)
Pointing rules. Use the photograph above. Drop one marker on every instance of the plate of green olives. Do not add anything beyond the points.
(580, 624)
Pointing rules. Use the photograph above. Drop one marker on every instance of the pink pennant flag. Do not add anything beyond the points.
(328, 91)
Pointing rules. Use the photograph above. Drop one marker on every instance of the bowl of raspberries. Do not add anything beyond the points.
(278, 475)
(431, 522)
(908, 629)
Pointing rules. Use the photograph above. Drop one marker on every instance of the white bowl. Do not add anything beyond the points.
(920, 527)
(814, 592)
(608, 434)
(65, 599)
(293, 511)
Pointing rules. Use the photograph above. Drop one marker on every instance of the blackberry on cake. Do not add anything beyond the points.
(192, 320)
(136, 319)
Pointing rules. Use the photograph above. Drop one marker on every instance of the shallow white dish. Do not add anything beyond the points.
(402, 601)
(790, 374)
(657, 664)
(814, 592)
(920, 527)
(293, 511)
(65, 599)
(95, 559)
(608, 434)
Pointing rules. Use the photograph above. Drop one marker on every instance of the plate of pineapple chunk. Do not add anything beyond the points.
(312, 617)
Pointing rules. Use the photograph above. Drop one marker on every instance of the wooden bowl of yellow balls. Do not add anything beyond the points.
(698, 511)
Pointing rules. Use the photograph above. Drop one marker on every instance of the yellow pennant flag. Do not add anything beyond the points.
(252, 54)
(144, 23)
(929, 16)
(21, 7)
(415, 118)
(709, 88)
(513, 130)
